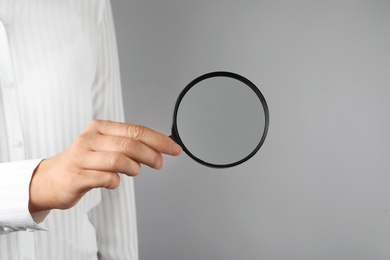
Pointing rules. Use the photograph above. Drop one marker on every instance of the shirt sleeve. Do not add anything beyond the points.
(114, 218)
(15, 180)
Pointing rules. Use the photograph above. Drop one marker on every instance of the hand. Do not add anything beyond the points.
(95, 159)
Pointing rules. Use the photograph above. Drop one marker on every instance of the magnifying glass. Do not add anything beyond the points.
(220, 119)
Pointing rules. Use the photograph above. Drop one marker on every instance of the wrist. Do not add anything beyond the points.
(37, 190)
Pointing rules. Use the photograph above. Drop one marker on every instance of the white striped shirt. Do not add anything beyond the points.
(59, 70)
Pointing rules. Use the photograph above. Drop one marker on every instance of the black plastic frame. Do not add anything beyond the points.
(175, 134)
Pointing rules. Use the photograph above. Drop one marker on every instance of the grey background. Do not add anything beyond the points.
(320, 186)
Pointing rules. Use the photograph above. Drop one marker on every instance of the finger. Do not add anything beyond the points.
(157, 141)
(136, 150)
(110, 162)
(99, 179)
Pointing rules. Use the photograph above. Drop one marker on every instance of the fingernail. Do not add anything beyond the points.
(162, 164)
(175, 148)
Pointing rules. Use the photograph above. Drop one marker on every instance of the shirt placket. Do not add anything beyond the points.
(16, 146)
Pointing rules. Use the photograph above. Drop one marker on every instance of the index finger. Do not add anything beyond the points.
(158, 141)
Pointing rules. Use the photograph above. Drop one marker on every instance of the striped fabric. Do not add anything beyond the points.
(59, 70)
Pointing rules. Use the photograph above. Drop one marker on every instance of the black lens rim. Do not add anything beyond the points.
(175, 133)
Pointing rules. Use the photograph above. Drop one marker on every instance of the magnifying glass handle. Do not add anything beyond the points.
(173, 136)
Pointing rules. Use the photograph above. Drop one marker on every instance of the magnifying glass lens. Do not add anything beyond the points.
(220, 120)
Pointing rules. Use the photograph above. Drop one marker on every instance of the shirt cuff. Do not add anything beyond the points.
(15, 178)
